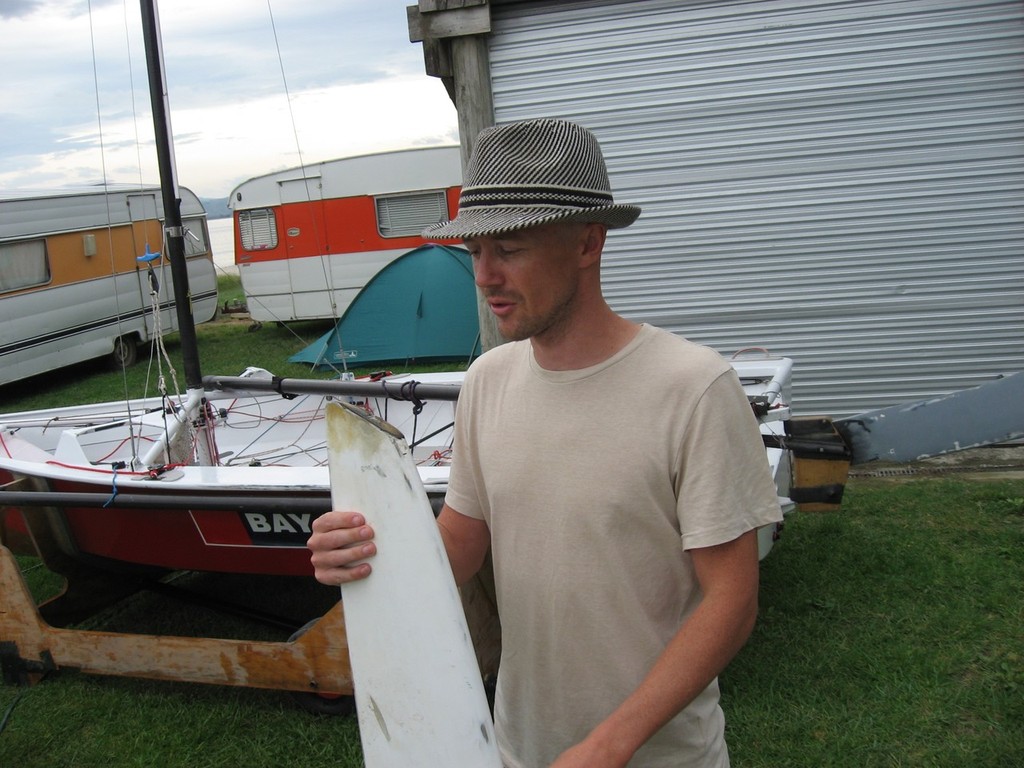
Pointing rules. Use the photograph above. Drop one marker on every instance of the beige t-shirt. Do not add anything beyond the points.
(594, 483)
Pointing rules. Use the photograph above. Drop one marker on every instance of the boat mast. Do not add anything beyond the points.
(174, 236)
(173, 229)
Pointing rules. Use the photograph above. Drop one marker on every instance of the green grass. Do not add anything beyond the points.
(80, 722)
(229, 291)
(227, 346)
(891, 633)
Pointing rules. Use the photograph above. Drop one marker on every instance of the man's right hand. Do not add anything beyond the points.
(341, 541)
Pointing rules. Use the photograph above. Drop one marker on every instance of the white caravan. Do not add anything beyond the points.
(79, 278)
(308, 239)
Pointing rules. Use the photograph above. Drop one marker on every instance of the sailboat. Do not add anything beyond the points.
(124, 485)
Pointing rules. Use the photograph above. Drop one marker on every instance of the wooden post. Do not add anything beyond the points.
(475, 106)
(453, 33)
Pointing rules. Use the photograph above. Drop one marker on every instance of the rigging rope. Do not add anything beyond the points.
(325, 262)
(106, 199)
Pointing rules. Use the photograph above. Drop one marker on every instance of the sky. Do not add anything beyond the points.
(75, 99)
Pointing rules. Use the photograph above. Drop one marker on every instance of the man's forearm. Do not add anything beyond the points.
(707, 641)
(701, 649)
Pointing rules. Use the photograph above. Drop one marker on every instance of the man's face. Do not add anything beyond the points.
(530, 277)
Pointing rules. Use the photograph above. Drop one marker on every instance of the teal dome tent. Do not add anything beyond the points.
(421, 307)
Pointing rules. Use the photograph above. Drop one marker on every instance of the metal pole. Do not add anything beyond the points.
(407, 389)
(174, 232)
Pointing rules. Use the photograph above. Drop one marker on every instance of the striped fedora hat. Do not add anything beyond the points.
(534, 172)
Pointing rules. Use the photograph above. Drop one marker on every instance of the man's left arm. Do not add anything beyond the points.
(703, 646)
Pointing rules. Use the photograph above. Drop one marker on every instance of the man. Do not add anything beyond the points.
(615, 471)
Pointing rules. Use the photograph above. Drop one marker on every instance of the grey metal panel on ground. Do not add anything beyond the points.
(839, 182)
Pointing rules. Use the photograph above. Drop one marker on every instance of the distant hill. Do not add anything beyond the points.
(216, 207)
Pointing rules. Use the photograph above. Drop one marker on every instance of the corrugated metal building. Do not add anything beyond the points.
(840, 182)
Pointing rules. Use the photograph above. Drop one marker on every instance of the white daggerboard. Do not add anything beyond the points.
(419, 697)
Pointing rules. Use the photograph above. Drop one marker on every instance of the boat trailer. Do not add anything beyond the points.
(37, 639)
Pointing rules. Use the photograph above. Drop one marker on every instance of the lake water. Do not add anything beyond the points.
(222, 243)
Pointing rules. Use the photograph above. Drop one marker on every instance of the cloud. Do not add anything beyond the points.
(79, 107)
(14, 9)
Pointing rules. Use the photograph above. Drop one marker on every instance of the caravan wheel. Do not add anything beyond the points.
(126, 352)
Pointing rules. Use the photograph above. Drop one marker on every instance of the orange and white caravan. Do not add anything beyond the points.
(72, 287)
(307, 239)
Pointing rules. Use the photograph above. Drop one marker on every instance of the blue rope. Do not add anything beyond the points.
(113, 488)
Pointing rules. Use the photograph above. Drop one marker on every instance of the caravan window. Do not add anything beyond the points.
(195, 237)
(23, 264)
(258, 229)
(406, 215)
